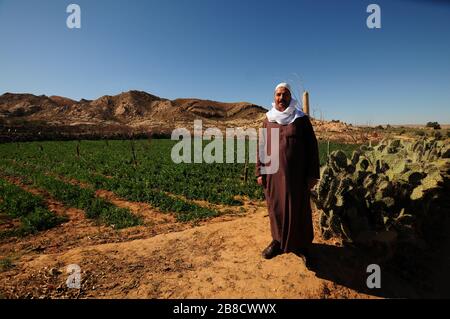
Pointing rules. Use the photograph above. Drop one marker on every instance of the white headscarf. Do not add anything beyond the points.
(289, 115)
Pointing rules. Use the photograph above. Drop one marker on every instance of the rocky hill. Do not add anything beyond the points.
(133, 112)
(125, 108)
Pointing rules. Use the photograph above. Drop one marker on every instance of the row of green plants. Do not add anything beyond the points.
(135, 170)
(30, 209)
(133, 190)
(147, 164)
(72, 196)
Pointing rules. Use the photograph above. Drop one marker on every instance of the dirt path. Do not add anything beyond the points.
(215, 260)
(219, 258)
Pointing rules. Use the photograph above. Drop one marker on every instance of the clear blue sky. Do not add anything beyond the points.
(231, 51)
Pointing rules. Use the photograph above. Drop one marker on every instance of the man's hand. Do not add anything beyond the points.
(260, 180)
(312, 182)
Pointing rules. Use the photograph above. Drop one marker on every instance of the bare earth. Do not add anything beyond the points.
(218, 258)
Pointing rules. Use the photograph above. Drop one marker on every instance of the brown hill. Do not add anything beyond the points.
(24, 105)
(137, 113)
(126, 108)
(62, 101)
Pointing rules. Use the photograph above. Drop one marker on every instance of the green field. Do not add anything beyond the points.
(140, 171)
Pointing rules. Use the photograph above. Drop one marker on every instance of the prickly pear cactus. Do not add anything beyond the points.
(396, 186)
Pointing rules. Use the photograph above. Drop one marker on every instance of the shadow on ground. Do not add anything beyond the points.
(413, 275)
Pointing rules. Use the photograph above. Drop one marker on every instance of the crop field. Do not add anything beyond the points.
(130, 217)
(134, 170)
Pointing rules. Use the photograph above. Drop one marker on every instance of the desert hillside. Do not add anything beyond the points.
(125, 108)
(135, 113)
(139, 114)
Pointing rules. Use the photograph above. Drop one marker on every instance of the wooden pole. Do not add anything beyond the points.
(306, 103)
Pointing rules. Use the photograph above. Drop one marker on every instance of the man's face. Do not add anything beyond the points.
(282, 98)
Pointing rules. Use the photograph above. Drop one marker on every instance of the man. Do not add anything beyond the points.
(287, 191)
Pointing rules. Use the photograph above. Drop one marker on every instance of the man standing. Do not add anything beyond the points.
(287, 191)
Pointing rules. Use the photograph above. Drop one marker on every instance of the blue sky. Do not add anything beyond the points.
(232, 51)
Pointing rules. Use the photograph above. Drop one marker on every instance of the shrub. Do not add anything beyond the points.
(397, 187)
(420, 133)
(434, 125)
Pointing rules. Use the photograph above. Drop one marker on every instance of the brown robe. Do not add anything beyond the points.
(286, 191)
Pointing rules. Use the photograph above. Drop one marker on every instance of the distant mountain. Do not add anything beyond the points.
(133, 113)
(136, 114)
(128, 108)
